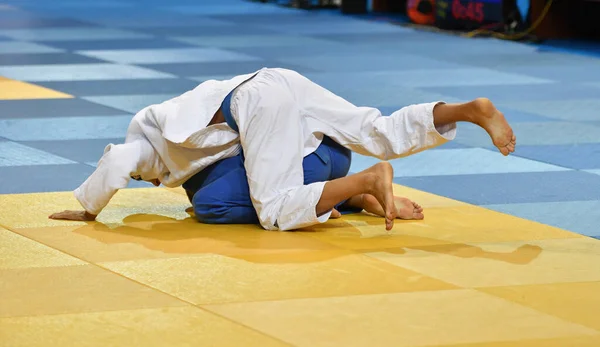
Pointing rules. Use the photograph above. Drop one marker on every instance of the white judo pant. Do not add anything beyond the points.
(282, 117)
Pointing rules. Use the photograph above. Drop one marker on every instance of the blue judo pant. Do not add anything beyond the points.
(221, 194)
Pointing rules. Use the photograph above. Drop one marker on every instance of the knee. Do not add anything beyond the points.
(342, 160)
(210, 208)
(207, 209)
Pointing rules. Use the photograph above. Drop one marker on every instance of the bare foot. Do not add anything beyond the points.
(380, 186)
(405, 208)
(487, 116)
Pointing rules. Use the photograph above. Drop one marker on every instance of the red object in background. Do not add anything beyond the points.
(421, 11)
(472, 11)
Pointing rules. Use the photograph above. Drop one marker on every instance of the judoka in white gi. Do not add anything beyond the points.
(265, 127)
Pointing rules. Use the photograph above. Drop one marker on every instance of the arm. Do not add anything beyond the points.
(113, 173)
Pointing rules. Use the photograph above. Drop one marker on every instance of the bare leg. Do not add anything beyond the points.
(483, 113)
(376, 181)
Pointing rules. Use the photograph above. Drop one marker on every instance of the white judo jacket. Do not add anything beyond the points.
(169, 141)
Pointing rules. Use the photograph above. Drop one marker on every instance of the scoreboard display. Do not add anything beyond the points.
(468, 14)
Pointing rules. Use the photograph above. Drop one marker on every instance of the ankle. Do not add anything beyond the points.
(481, 110)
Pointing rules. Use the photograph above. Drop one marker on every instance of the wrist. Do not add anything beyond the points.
(89, 216)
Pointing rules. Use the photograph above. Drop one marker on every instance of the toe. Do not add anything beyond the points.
(389, 224)
(335, 214)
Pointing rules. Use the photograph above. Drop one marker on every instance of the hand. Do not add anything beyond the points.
(83, 216)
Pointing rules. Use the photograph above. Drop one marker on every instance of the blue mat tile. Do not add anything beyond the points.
(45, 59)
(400, 64)
(303, 17)
(215, 69)
(149, 43)
(66, 34)
(15, 154)
(406, 37)
(559, 73)
(316, 51)
(81, 151)
(510, 188)
(461, 77)
(79, 72)
(43, 178)
(595, 172)
(455, 162)
(588, 48)
(246, 8)
(207, 30)
(345, 27)
(130, 103)
(412, 71)
(283, 42)
(52, 108)
(556, 92)
(516, 116)
(392, 96)
(568, 110)
(534, 133)
(122, 87)
(577, 216)
(581, 156)
(522, 59)
(70, 4)
(79, 9)
(15, 13)
(18, 47)
(452, 145)
(450, 49)
(40, 22)
(158, 19)
(172, 55)
(71, 128)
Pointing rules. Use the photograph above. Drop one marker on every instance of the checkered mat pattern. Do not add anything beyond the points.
(472, 274)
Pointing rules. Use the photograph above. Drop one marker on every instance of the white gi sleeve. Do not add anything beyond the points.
(273, 147)
(112, 173)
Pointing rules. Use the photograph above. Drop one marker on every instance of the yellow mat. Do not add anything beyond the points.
(147, 274)
(17, 90)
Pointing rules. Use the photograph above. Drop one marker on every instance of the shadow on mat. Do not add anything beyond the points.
(187, 236)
